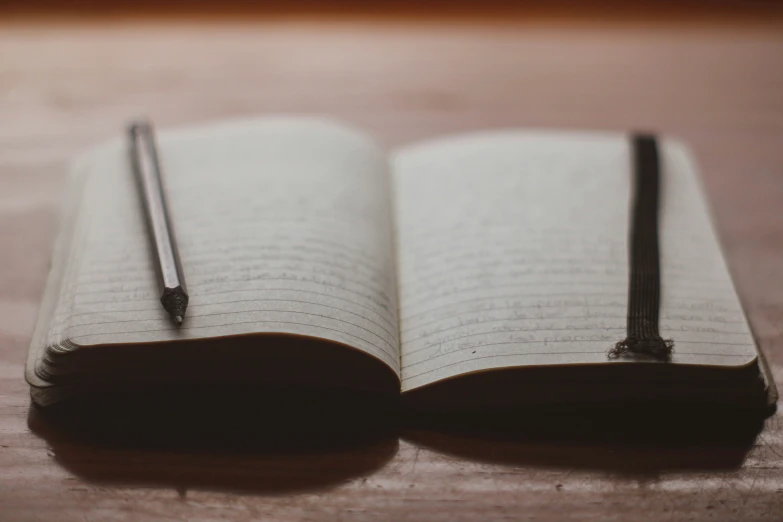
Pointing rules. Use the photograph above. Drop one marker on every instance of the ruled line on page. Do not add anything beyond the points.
(236, 193)
(511, 241)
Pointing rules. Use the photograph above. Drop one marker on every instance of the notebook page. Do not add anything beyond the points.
(283, 226)
(512, 250)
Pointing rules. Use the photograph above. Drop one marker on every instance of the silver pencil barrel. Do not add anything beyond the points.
(146, 167)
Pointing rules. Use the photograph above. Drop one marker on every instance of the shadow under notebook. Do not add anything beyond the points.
(274, 441)
(252, 439)
(634, 439)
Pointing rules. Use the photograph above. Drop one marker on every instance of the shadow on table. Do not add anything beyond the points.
(280, 441)
(274, 442)
(623, 440)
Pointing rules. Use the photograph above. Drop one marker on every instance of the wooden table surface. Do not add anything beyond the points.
(717, 84)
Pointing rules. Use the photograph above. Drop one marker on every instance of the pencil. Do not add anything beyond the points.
(144, 160)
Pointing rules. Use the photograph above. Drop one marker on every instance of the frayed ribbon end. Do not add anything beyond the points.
(656, 347)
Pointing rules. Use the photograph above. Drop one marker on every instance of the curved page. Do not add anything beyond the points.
(283, 227)
(513, 252)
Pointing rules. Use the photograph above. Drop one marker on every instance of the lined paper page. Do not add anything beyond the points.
(283, 226)
(512, 251)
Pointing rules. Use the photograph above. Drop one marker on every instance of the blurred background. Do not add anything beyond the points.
(384, 7)
(73, 70)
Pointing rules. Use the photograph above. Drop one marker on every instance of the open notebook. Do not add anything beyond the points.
(483, 269)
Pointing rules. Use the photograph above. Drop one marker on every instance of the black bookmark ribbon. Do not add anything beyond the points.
(644, 291)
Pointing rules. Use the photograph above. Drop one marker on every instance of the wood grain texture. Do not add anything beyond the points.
(65, 87)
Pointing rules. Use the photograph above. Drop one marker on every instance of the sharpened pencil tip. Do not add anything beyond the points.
(178, 320)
